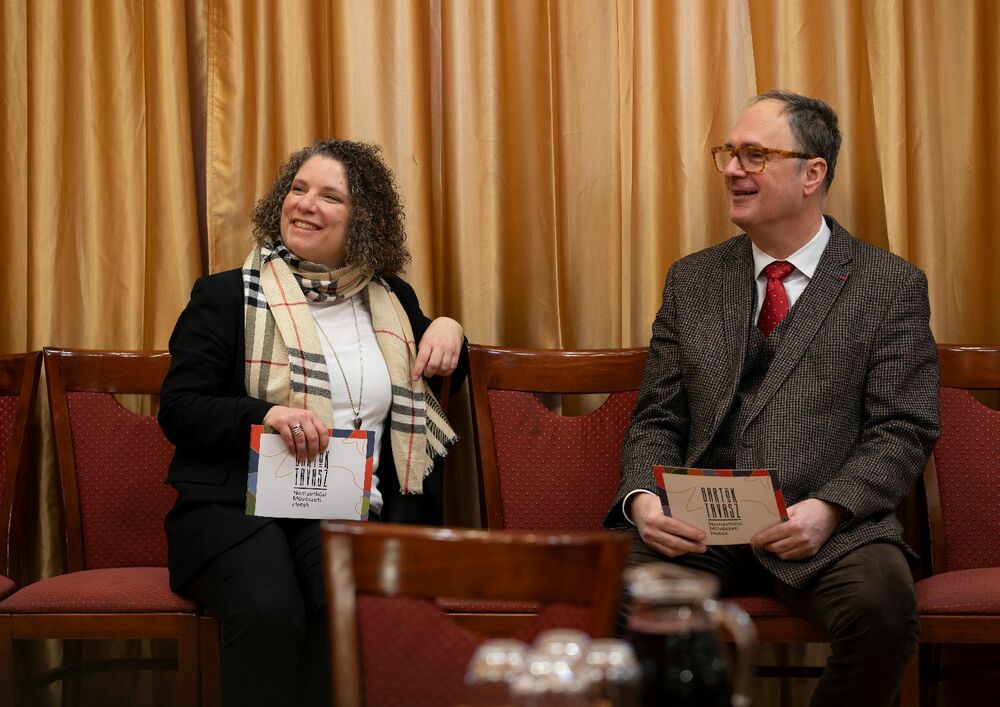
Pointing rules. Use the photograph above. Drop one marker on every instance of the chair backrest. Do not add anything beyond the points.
(961, 480)
(392, 645)
(18, 393)
(539, 470)
(112, 461)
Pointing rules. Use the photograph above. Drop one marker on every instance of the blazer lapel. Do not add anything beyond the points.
(810, 310)
(733, 304)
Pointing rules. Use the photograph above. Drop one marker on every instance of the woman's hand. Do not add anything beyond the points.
(304, 433)
(439, 348)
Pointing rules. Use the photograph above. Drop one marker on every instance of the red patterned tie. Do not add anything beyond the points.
(775, 305)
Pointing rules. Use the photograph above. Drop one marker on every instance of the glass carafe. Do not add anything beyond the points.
(674, 624)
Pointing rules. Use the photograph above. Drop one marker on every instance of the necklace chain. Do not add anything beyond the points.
(361, 360)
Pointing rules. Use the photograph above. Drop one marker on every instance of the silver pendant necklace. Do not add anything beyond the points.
(361, 360)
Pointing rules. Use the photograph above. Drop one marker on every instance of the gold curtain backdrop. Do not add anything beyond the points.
(552, 154)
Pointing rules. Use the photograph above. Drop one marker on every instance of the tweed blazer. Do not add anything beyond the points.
(848, 409)
(206, 413)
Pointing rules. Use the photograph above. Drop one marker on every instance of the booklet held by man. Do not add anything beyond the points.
(730, 505)
(336, 484)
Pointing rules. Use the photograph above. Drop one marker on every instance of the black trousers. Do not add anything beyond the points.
(268, 593)
(865, 601)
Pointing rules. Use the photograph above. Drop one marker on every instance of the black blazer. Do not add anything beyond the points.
(206, 413)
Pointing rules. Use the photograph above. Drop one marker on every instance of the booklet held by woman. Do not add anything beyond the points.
(336, 484)
(730, 505)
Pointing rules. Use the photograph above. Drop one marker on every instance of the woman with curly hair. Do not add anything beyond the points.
(315, 331)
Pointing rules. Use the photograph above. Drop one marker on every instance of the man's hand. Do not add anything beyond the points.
(439, 348)
(810, 524)
(661, 532)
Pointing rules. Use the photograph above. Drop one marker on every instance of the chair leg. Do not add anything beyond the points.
(909, 691)
(8, 682)
(933, 675)
(187, 662)
(209, 647)
(72, 660)
(784, 656)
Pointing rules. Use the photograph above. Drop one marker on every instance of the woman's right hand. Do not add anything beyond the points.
(306, 442)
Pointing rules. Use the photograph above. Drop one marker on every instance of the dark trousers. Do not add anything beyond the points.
(268, 593)
(865, 601)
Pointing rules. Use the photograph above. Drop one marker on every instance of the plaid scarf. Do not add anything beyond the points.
(285, 364)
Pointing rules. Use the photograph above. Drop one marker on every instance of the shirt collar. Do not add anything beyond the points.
(805, 259)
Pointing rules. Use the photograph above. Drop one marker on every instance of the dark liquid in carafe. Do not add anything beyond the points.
(685, 669)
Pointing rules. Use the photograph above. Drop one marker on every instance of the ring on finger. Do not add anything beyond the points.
(295, 429)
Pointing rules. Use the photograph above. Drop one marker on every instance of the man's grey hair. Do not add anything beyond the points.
(814, 125)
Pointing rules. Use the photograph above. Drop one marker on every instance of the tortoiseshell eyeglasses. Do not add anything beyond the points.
(752, 158)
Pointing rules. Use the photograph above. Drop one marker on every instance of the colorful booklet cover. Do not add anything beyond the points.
(730, 505)
(336, 484)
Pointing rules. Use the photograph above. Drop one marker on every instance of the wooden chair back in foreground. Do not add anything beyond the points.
(392, 644)
(18, 393)
(539, 470)
(960, 601)
(112, 464)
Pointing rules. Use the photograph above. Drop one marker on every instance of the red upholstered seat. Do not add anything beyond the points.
(960, 601)
(8, 407)
(414, 671)
(556, 472)
(761, 606)
(8, 411)
(112, 467)
(121, 458)
(961, 592)
(967, 463)
(112, 591)
(18, 392)
(466, 606)
(539, 470)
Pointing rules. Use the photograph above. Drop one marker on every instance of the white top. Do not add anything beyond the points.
(336, 320)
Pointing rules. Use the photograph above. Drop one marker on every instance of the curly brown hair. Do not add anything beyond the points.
(376, 236)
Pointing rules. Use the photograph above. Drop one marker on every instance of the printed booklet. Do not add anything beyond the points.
(336, 484)
(730, 505)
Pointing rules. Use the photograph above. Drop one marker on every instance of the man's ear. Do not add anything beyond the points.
(815, 173)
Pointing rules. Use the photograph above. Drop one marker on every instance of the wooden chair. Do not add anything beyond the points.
(540, 471)
(112, 464)
(391, 644)
(960, 601)
(18, 393)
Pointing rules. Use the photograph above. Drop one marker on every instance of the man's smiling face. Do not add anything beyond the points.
(765, 199)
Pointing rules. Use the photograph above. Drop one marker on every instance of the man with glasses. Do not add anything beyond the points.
(797, 347)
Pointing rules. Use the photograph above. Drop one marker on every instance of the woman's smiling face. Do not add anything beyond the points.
(317, 211)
